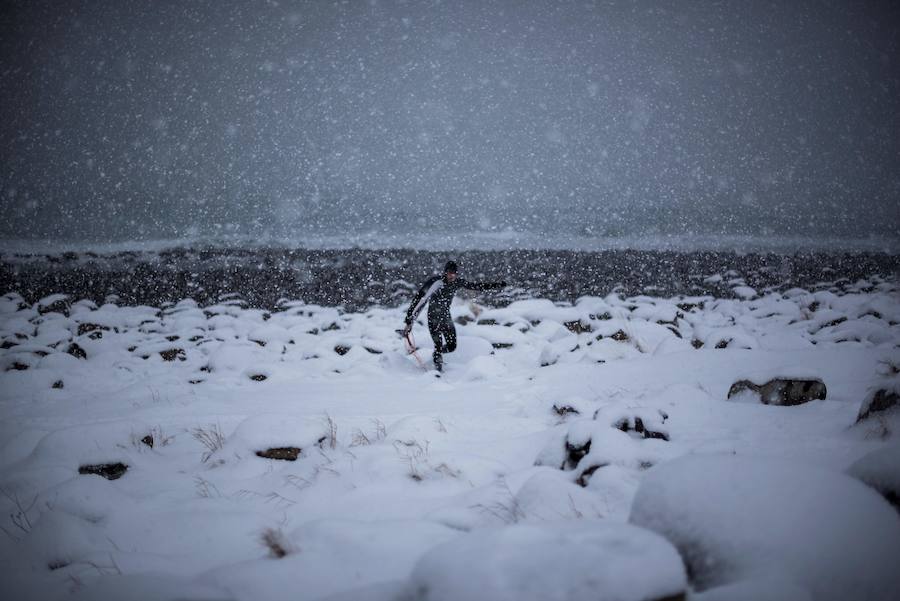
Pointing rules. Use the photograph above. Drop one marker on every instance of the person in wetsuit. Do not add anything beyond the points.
(437, 292)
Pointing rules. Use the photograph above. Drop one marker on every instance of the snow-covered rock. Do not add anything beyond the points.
(883, 399)
(260, 433)
(735, 519)
(880, 469)
(572, 561)
(782, 391)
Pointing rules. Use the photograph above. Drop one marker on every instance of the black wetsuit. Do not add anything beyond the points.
(438, 293)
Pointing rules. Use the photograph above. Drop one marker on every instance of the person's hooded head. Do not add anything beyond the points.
(450, 271)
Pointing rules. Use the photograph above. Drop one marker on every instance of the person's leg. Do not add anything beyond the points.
(447, 331)
(450, 337)
(434, 328)
(436, 332)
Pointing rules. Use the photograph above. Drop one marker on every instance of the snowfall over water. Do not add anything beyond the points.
(628, 448)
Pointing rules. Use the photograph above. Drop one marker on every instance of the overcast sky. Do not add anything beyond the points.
(141, 120)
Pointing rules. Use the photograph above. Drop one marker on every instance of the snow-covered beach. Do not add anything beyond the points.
(649, 252)
(621, 446)
(358, 278)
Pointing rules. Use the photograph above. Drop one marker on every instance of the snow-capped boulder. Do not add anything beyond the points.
(54, 303)
(585, 559)
(640, 422)
(880, 469)
(744, 292)
(782, 391)
(730, 337)
(106, 449)
(589, 445)
(269, 436)
(735, 519)
(269, 333)
(241, 357)
(550, 495)
(11, 302)
(883, 398)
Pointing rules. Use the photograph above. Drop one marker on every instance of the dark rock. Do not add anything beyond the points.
(258, 377)
(110, 471)
(464, 319)
(8, 344)
(280, 453)
(636, 424)
(60, 306)
(620, 336)
(374, 351)
(501, 345)
(172, 354)
(58, 384)
(85, 328)
(697, 343)
(878, 401)
(833, 322)
(17, 366)
(723, 343)
(578, 327)
(341, 349)
(583, 478)
(647, 432)
(564, 410)
(782, 391)
(76, 351)
(333, 326)
(487, 322)
(148, 440)
(689, 307)
(574, 454)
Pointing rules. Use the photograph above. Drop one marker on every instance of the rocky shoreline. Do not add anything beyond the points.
(356, 279)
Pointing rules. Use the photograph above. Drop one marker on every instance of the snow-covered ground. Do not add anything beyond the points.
(569, 451)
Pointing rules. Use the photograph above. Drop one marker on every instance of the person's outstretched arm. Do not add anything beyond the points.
(482, 285)
(421, 298)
